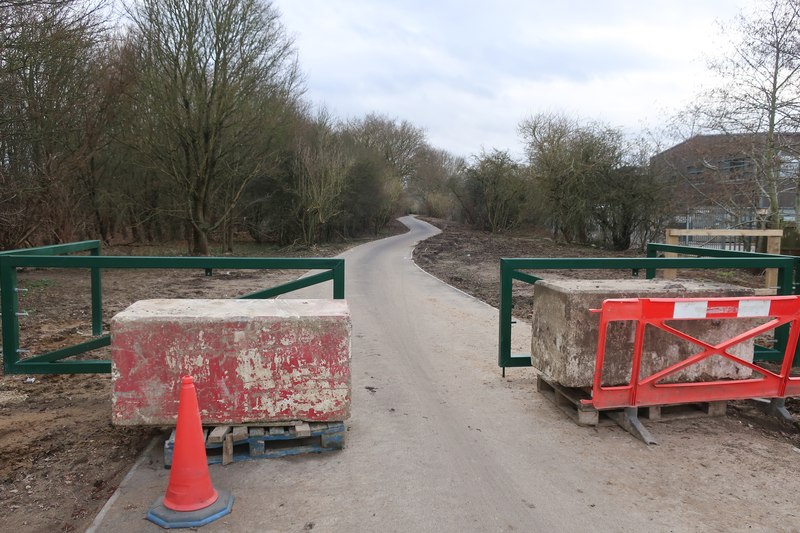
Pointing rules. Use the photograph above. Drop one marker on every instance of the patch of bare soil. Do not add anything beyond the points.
(61, 457)
(470, 260)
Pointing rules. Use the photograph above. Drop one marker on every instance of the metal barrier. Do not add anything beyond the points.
(511, 269)
(53, 257)
(656, 312)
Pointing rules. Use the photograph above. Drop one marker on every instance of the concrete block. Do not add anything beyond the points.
(252, 360)
(564, 342)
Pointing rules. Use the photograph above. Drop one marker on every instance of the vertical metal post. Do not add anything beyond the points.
(338, 281)
(651, 272)
(785, 288)
(636, 366)
(506, 285)
(785, 280)
(789, 355)
(602, 332)
(97, 295)
(8, 307)
(796, 277)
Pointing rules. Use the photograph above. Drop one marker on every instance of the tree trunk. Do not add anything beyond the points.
(227, 235)
(199, 241)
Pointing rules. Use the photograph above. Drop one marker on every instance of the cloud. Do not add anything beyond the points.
(469, 71)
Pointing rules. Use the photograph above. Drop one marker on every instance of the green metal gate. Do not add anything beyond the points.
(57, 257)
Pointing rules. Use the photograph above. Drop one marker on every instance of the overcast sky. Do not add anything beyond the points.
(468, 72)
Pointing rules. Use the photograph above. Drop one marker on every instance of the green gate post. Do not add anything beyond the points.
(651, 272)
(338, 280)
(8, 308)
(506, 285)
(508, 273)
(97, 295)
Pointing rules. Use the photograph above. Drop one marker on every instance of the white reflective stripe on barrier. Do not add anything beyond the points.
(744, 309)
(751, 308)
(690, 310)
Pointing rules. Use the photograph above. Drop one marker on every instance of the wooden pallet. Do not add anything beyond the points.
(568, 399)
(228, 444)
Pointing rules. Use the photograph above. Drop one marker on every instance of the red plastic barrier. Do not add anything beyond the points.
(644, 391)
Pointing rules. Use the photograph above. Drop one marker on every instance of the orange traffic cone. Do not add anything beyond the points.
(191, 500)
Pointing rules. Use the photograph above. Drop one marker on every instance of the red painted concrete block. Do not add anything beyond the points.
(252, 360)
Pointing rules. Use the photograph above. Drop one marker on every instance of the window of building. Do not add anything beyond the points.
(738, 168)
(790, 168)
(692, 170)
(695, 173)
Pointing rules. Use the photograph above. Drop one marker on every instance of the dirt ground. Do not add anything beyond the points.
(61, 457)
(470, 260)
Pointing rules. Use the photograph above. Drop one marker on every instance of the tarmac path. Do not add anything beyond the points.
(439, 442)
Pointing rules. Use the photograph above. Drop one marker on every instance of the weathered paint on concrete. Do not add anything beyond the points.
(564, 343)
(252, 360)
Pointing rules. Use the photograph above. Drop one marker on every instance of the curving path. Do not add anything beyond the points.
(439, 442)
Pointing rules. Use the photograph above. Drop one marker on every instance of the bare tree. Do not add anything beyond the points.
(395, 144)
(595, 185)
(212, 72)
(760, 92)
(322, 166)
(561, 161)
(498, 189)
(396, 141)
(49, 104)
(434, 174)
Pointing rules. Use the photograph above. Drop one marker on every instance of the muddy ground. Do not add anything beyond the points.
(61, 457)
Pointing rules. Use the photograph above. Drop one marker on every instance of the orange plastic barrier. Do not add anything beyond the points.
(647, 390)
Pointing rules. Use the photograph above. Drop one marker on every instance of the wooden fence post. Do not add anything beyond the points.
(773, 247)
(671, 273)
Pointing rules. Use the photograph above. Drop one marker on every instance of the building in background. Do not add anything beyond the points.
(719, 180)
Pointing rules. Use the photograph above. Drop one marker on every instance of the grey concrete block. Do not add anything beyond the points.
(564, 343)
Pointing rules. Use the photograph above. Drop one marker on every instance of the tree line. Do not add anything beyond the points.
(187, 123)
(190, 122)
(590, 183)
